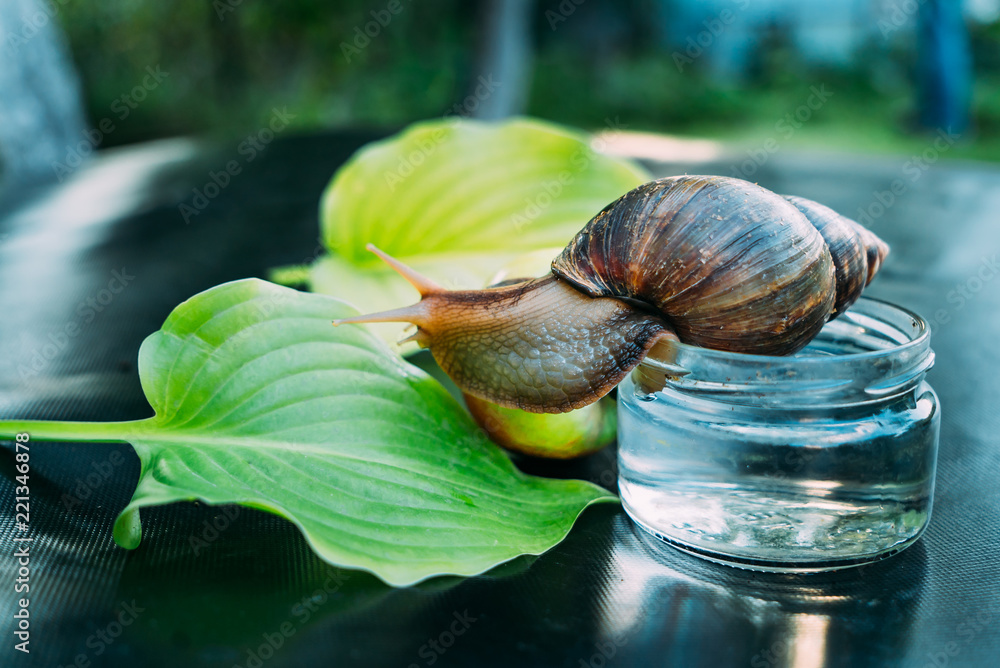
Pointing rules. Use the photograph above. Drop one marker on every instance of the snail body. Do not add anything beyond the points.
(712, 261)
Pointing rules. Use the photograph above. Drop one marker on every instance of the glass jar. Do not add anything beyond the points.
(807, 463)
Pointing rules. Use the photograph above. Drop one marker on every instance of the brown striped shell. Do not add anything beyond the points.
(728, 264)
(857, 252)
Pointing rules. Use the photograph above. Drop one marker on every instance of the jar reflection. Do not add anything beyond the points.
(675, 610)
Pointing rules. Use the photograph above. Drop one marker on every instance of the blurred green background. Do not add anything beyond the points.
(229, 62)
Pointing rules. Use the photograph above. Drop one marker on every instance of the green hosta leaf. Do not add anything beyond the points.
(260, 401)
(458, 199)
(462, 185)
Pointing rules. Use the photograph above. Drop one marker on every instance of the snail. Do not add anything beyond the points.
(712, 261)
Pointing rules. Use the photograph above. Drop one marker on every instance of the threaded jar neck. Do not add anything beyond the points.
(874, 352)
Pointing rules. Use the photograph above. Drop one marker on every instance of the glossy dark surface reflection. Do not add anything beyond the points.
(109, 252)
(670, 604)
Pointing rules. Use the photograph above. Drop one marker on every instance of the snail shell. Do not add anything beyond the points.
(712, 261)
(730, 265)
(857, 253)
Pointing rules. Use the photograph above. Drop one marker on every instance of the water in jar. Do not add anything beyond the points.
(792, 488)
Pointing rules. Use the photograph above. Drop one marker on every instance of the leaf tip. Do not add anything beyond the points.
(127, 531)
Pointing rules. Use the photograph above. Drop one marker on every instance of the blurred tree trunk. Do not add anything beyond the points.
(504, 57)
(945, 66)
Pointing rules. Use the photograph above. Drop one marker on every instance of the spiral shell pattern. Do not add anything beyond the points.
(728, 264)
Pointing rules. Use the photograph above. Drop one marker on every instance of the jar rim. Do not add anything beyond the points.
(898, 354)
(920, 337)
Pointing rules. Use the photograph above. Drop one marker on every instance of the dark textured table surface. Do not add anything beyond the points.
(108, 254)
